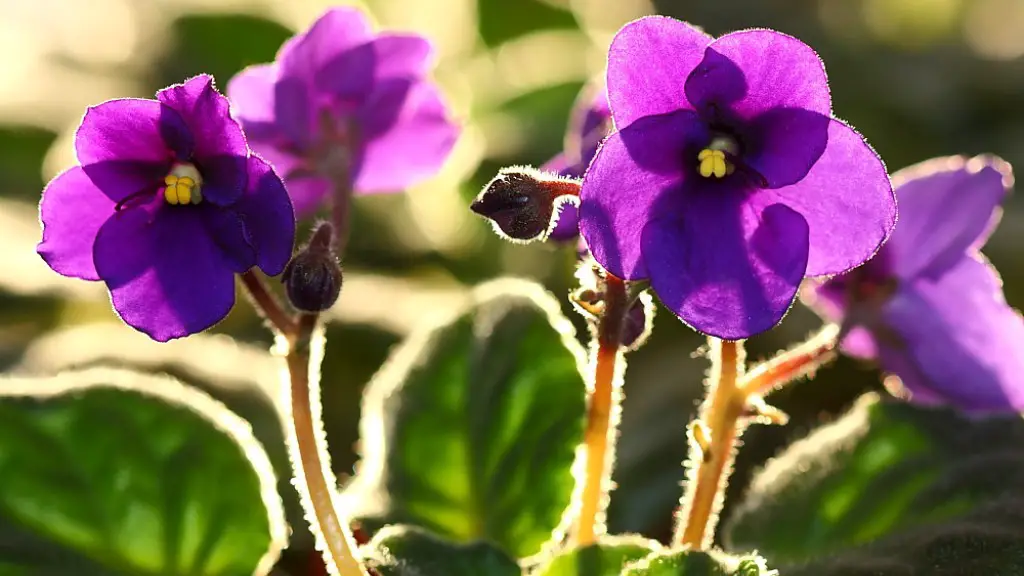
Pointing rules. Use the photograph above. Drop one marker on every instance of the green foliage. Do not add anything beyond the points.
(698, 563)
(412, 551)
(117, 473)
(607, 557)
(911, 481)
(471, 427)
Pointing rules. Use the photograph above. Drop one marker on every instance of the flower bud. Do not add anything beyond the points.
(522, 203)
(312, 279)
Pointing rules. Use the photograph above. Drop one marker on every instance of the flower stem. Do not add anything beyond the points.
(267, 304)
(713, 445)
(797, 362)
(603, 412)
(314, 479)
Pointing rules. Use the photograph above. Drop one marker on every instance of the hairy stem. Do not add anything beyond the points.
(603, 412)
(267, 304)
(800, 361)
(712, 446)
(303, 351)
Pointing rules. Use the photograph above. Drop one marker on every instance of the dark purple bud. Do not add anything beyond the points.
(522, 203)
(312, 279)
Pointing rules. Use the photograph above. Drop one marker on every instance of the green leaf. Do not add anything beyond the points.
(698, 563)
(471, 427)
(118, 473)
(883, 468)
(413, 551)
(607, 557)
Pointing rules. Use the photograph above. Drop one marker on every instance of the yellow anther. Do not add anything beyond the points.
(183, 185)
(714, 163)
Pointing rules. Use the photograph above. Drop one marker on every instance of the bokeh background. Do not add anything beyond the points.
(920, 78)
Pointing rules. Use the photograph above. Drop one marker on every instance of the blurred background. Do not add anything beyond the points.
(920, 78)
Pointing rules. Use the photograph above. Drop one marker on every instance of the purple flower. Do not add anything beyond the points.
(928, 306)
(343, 103)
(165, 208)
(589, 123)
(728, 180)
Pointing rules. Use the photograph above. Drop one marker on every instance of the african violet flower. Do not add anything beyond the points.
(728, 180)
(166, 207)
(928, 306)
(589, 122)
(343, 103)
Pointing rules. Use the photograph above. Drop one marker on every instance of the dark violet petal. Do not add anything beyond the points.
(829, 300)
(405, 134)
(307, 193)
(121, 180)
(847, 201)
(648, 63)
(221, 177)
(132, 129)
(166, 276)
(269, 220)
(964, 343)
(753, 71)
(335, 31)
(947, 207)
(251, 93)
(632, 171)
(228, 231)
(295, 112)
(589, 123)
(726, 268)
(72, 211)
(353, 74)
(784, 143)
(207, 113)
(568, 227)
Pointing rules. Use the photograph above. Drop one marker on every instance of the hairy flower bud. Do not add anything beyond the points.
(312, 279)
(522, 203)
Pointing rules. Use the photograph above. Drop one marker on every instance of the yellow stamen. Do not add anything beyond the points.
(714, 163)
(183, 185)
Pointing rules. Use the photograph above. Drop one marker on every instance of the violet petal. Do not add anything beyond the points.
(634, 168)
(406, 136)
(251, 93)
(962, 337)
(353, 74)
(72, 211)
(846, 199)
(269, 220)
(648, 63)
(784, 143)
(166, 276)
(726, 268)
(335, 31)
(947, 207)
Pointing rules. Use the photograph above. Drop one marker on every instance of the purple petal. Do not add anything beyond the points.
(568, 227)
(589, 123)
(847, 201)
(295, 112)
(353, 74)
(308, 193)
(784, 143)
(166, 276)
(127, 146)
(829, 300)
(648, 63)
(633, 170)
(228, 231)
(753, 71)
(964, 342)
(251, 93)
(269, 220)
(559, 164)
(334, 32)
(406, 136)
(220, 147)
(72, 211)
(947, 207)
(727, 268)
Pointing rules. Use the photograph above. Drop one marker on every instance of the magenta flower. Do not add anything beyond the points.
(589, 123)
(728, 180)
(928, 306)
(165, 208)
(343, 103)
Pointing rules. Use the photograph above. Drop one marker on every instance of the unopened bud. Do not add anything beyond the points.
(312, 279)
(522, 203)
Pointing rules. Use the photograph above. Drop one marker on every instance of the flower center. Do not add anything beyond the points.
(183, 185)
(714, 161)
